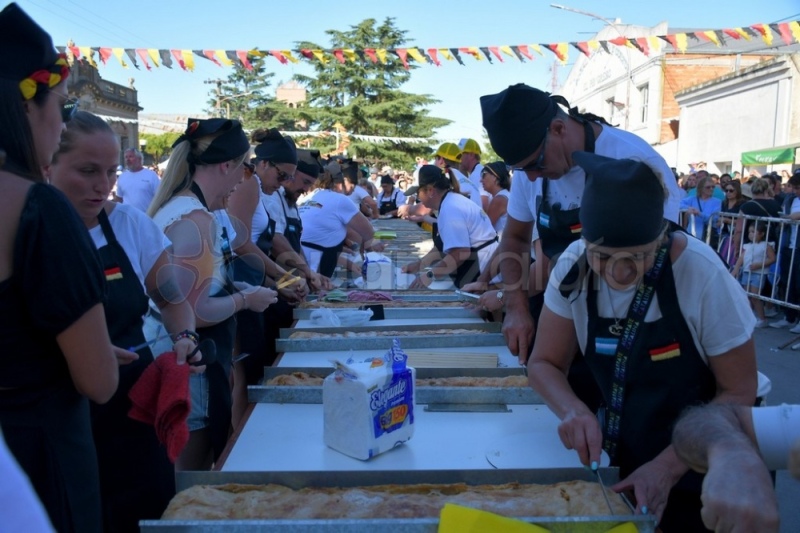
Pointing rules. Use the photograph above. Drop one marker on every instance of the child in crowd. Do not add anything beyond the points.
(753, 265)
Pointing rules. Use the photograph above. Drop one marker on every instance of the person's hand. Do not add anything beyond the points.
(476, 287)
(518, 329)
(260, 298)
(410, 268)
(692, 211)
(378, 246)
(182, 348)
(318, 282)
(580, 431)
(738, 494)
(288, 294)
(420, 282)
(650, 484)
(402, 211)
(490, 302)
(735, 272)
(124, 357)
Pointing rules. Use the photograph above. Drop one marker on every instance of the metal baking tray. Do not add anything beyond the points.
(297, 480)
(422, 395)
(492, 327)
(408, 312)
(406, 296)
(344, 344)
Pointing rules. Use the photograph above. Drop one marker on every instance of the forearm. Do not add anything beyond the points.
(710, 431)
(288, 258)
(513, 261)
(211, 310)
(177, 317)
(551, 384)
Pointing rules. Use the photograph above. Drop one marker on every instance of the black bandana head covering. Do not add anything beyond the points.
(28, 53)
(623, 201)
(309, 162)
(516, 120)
(386, 179)
(229, 144)
(276, 148)
(429, 175)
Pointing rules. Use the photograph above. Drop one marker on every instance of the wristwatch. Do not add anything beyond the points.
(500, 297)
(429, 273)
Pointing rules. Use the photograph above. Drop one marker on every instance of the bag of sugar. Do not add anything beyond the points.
(368, 406)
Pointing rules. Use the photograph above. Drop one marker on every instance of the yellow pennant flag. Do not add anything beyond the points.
(507, 50)
(350, 54)
(223, 58)
(154, 55)
(795, 27)
(320, 56)
(257, 53)
(593, 45)
(654, 43)
(382, 56)
(537, 49)
(188, 59)
(118, 53)
(288, 55)
(712, 36)
(743, 33)
(446, 53)
(87, 52)
(475, 52)
(681, 39)
(416, 56)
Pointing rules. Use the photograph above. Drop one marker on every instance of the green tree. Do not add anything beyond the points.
(365, 98)
(159, 146)
(242, 93)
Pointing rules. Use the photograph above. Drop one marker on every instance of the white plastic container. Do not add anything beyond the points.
(368, 407)
(378, 272)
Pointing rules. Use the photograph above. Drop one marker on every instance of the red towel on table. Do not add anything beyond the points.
(161, 397)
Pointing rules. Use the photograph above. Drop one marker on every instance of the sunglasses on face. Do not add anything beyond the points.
(282, 175)
(730, 190)
(537, 164)
(68, 109)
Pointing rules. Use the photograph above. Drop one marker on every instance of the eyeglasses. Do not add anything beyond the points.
(68, 109)
(282, 175)
(730, 190)
(537, 164)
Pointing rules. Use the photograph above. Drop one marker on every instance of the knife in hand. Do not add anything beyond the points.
(603, 488)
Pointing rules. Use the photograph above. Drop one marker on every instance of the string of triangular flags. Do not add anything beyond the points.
(787, 32)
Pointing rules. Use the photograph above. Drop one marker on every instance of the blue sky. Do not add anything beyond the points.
(246, 24)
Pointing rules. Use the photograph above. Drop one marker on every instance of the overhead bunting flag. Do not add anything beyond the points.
(787, 32)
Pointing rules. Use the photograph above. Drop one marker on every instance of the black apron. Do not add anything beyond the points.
(469, 270)
(223, 334)
(388, 205)
(294, 228)
(666, 376)
(242, 270)
(330, 257)
(137, 479)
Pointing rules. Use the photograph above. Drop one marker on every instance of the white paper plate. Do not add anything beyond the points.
(534, 449)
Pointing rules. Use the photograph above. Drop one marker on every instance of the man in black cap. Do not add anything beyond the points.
(642, 303)
(536, 136)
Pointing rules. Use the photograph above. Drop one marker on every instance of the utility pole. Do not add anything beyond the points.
(218, 83)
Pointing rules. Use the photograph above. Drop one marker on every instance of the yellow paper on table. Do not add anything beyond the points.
(457, 519)
(627, 527)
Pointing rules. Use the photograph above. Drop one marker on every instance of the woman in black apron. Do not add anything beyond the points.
(54, 347)
(205, 166)
(645, 358)
(136, 477)
(388, 197)
(434, 187)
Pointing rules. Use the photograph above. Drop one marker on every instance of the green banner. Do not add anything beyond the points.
(772, 156)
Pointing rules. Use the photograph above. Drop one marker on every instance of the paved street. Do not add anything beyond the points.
(783, 368)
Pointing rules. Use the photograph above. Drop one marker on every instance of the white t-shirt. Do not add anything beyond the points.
(704, 289)
(464, 225)
(140, 237)
(568, 190)
(359, 194)
(755, 252)
(501, 222)
(325, 215)
(475, 178)
(279, 209)
(396, 195)
(468, 188)
(263, 213)
(138, 188)
(777, 429)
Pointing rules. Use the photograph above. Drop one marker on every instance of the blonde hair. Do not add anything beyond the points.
(177, 177)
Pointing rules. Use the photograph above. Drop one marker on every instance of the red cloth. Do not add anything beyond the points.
(161, 397)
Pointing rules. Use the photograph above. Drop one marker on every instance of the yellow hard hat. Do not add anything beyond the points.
(449, 151)
(469, 146)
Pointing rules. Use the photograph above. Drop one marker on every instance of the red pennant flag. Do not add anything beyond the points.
(339, 55)
(75, 51)
(786, 32)
(105, 53)
(702, 36)
(402, 53)
(308, 54)
(644, 46)
(279, 56)
(732, 33)
(142, 53)
(496, 51)
(471, 51)
(242, 56)
(209, 54)
(555, 49)
(178, 55)
(761, 28)
(523, 49)
(434, 55)
(671, 40)
(583, 47)
(619, 41)
(371, 54)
